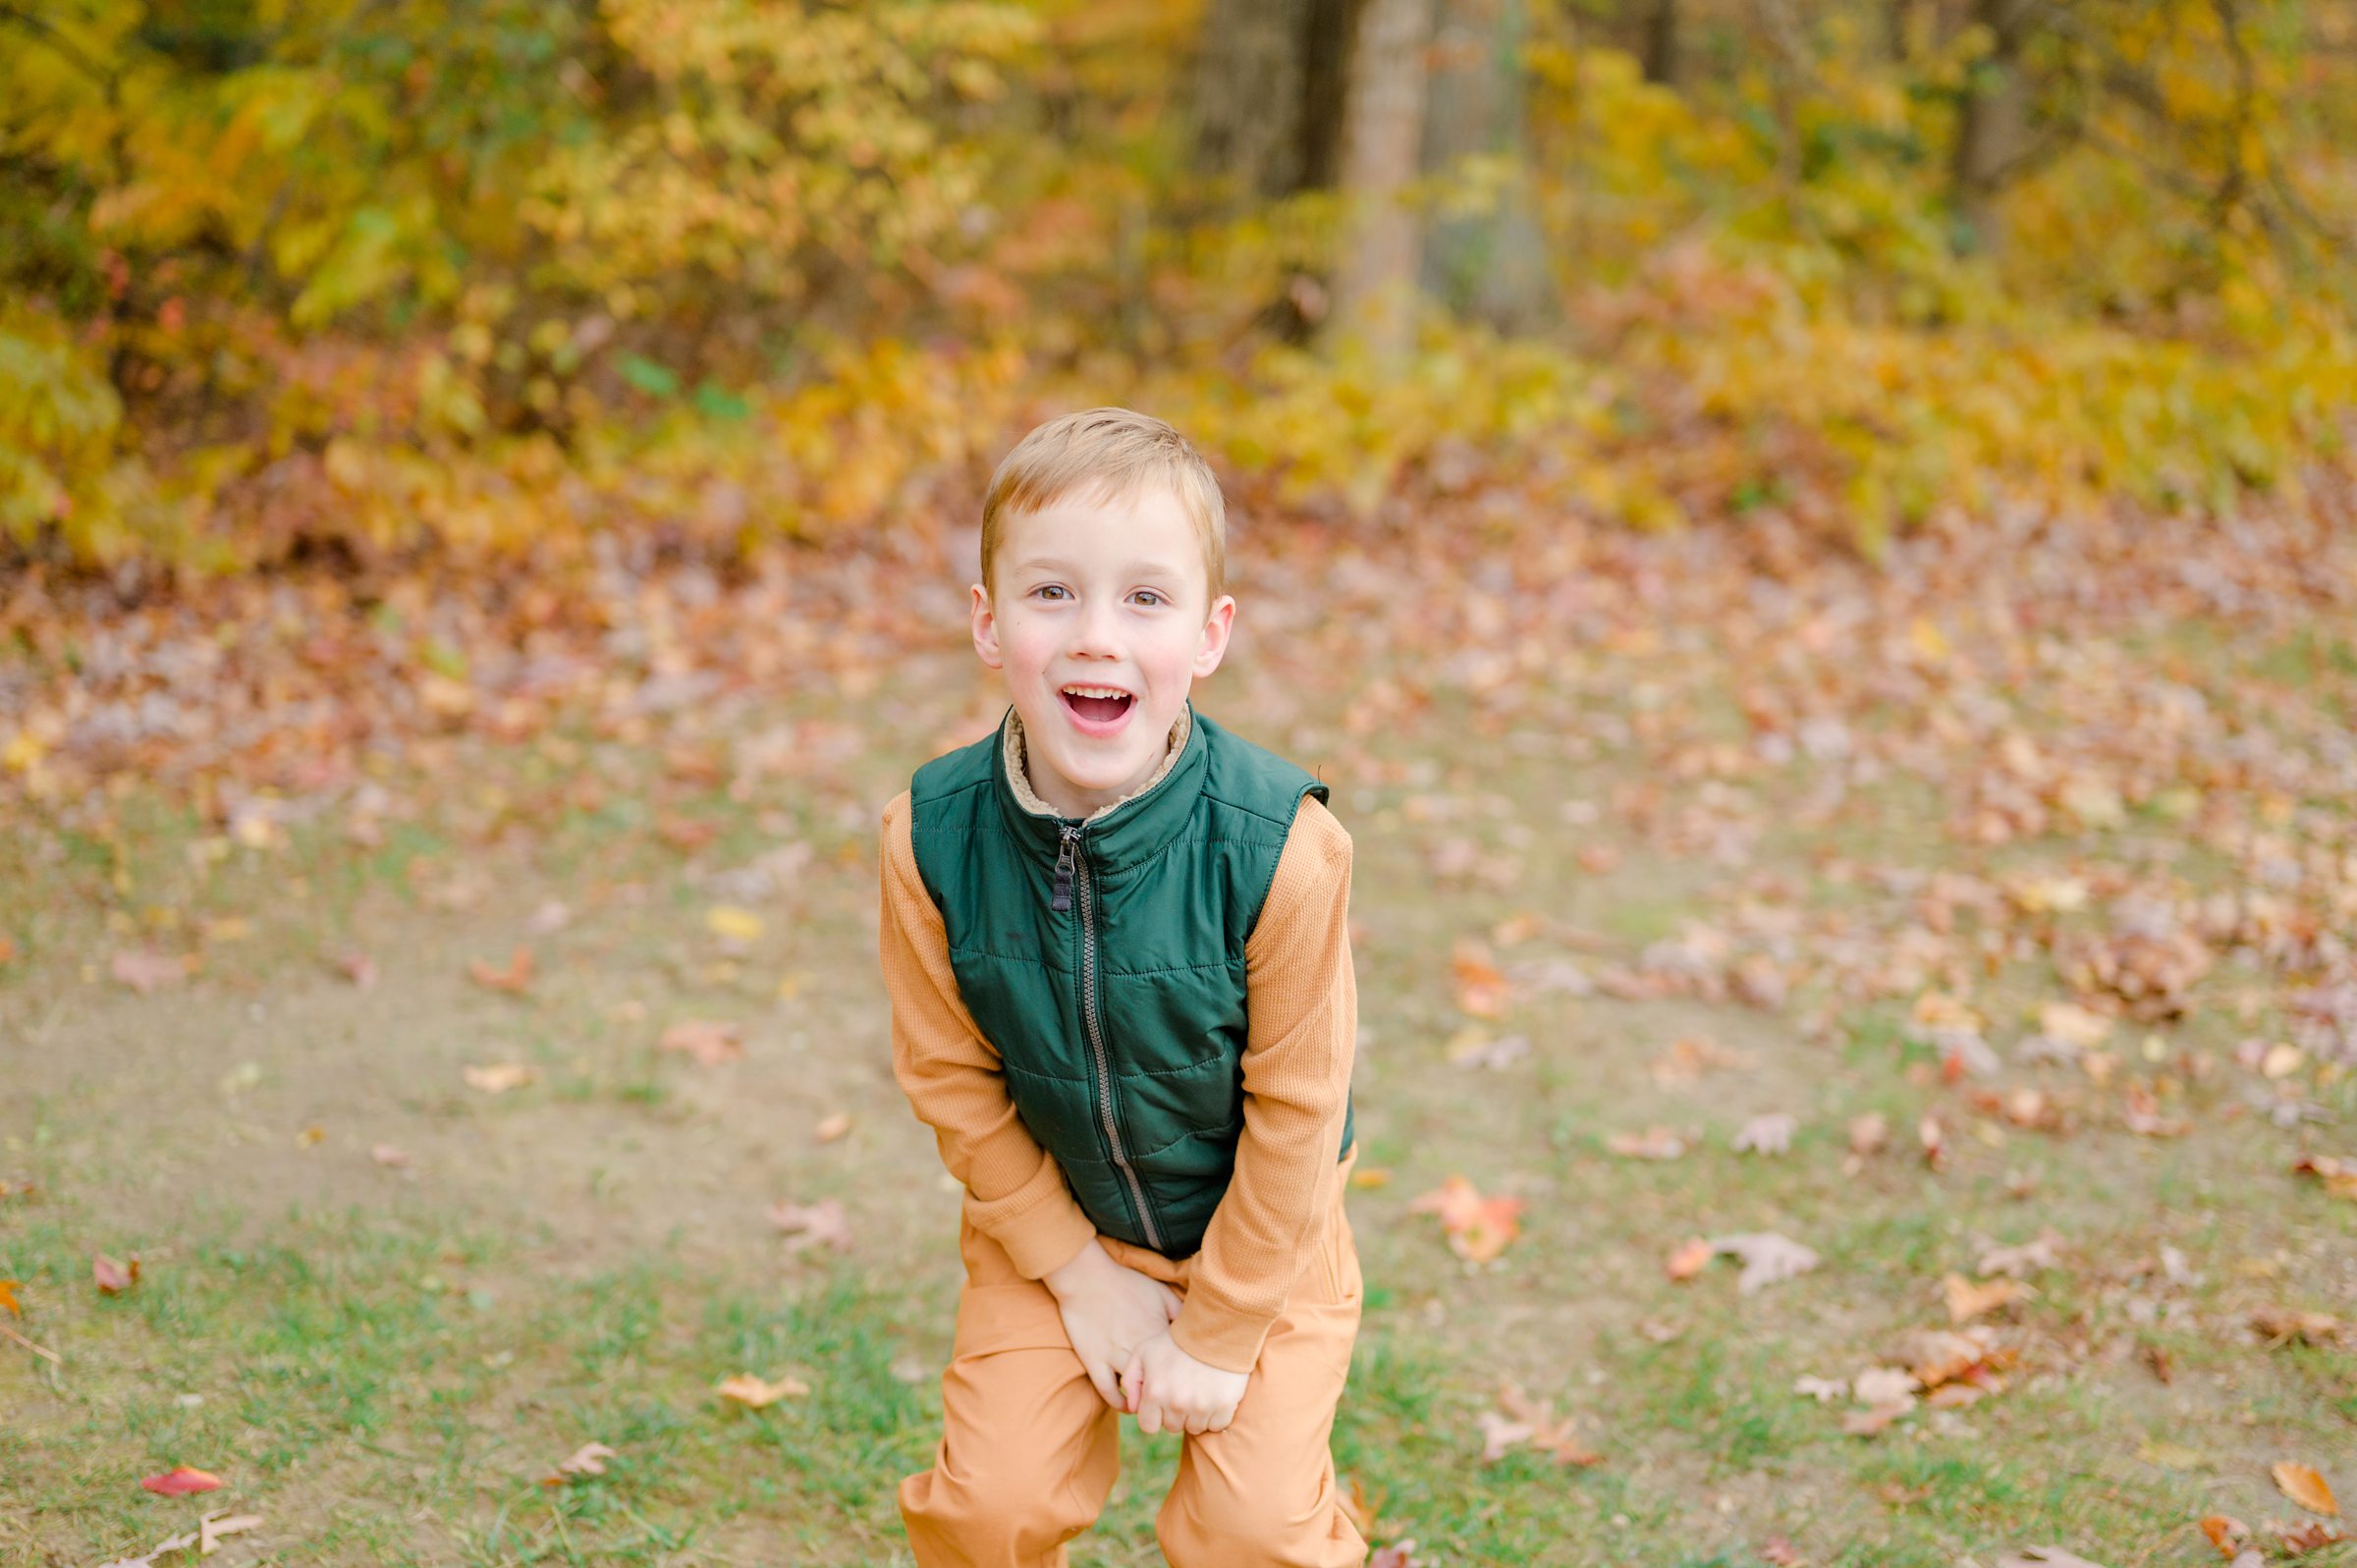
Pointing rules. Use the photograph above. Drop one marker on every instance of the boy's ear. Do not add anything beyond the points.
(1216, 628)
(986, 628)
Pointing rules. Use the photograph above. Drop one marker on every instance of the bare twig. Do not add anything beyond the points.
(38, 1350)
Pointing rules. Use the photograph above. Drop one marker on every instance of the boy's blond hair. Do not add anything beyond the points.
(1113, 454)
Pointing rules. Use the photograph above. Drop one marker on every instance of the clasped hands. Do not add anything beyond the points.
(1119, 1321)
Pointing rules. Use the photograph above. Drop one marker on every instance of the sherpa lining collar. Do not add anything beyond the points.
(1019, 777)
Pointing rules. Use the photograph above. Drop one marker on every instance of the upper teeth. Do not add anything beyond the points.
(1096, 691)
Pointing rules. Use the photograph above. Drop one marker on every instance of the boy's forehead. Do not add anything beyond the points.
(1147, 529)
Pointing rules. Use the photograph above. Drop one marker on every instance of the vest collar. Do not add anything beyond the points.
(1121, 833)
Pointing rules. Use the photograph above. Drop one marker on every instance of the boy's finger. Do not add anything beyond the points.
(1102, 1375)
(1133, 1378)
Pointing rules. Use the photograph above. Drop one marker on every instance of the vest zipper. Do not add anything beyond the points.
(1068, 860)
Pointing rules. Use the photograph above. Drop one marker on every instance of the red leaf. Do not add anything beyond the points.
(180, 1481)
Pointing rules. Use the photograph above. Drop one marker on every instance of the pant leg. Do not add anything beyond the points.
(1262, 1493)
(1028, 1450)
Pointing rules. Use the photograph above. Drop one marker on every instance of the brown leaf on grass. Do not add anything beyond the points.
(1873, 1421)
(833, 1127)
(359, 969)
(1654, 1143)
(1398, 1554)
(1768, 1257)
(1690, 1258)
(2303, 1484)
(1777, 1553)
(2280, 1326)
(1534, 1423)
(8, 949)
(709, 1041)
(2299, 1536)
(1869, 1134)
(2339, 1176)
(2142, 1115)
(113, 1277)
(2043, 1557)
(499, 1077)
(587, 1460)
(2026, 1258)
(2227, 1533)
(1365, 1512)
(750, 1392)
(1478, 1228)
(1472, 1046)
(1481, 988)
(180, 1482)
(821, 1224)
(515, 979)
(1967, 1301)
(1934, 1139)
(1689, 1057)
(145, 970)
(8, 1297)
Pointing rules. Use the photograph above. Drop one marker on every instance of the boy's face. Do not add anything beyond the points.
(1102, 621)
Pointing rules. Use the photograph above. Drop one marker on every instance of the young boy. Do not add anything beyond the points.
(1115, 941)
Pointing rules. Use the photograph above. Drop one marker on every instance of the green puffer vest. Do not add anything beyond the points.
(1104, 961)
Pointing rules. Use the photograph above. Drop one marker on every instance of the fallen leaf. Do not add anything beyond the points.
(1768, 1257)
(1472, 1046)
(2303, 1484)
(515, 979)
(820, 1224)
(1371, 1176)
(499, 1077)
(587, 1460)
(1885, 1385)
(2279, 1326)
(1967, 1301)
(1654, 1143)
(113, 1277)
(1768, 1134)
(2169, 1455)
(1478, 1228)
(180, 1481)
(384, 1154)
(1690, 1258)
(2025, 1259)
(212, 1527)
(359, 968)
(1481, 988)
(833, 1127)
(1822, 1389)
(1873, 1421)
(1398, 1554)
(2226, 1532)
(2043, 1557)
(2339, 1176)
(143, 970)
(1933, 1140)
(732, 924)
(750, 1392)
(709, 1041)
(1870, 1134)
(2300, 1536)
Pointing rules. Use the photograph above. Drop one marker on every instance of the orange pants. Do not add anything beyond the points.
(1029, 1451)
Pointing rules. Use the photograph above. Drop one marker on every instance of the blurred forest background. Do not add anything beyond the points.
(371, 284)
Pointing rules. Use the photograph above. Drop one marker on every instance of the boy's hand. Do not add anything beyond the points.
(1109, 1311)
(1170, 1391)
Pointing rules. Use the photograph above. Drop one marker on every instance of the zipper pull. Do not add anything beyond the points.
(1063, 869)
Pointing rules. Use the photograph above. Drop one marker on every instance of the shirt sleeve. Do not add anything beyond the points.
(1015, 1191)
(1301, 1032)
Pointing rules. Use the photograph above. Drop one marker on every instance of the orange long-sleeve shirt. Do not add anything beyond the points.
(1301, 1031)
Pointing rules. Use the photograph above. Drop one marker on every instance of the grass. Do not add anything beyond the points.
(385, 1365)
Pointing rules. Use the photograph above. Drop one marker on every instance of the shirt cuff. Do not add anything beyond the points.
(1219, 1333)
(1045, 1238)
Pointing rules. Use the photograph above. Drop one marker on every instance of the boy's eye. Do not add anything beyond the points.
(1048, 588)
(1149, 596)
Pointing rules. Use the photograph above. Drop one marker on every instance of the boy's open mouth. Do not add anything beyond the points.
(1097, 707)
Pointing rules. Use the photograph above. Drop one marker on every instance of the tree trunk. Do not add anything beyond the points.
(1251, 73)
(1490, 263)
(1661, 43)
(1990, 121)
(1384, 129)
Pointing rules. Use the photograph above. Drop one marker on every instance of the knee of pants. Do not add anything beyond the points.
(1223, 1525)
(999, 1511)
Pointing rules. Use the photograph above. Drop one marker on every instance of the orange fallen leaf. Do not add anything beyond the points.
(515, 979)
(2226, 1532)
(1967, 1301)
(1691, 1257)
(1478, 1228)
(113, 1277)
(1481, 988)
(8, 1297)
(180, 1481)
(499, 1077)
(750, 1392)
(833, 1127)
(1654, 1143)
(2303, 1484)
(1371, 1176)
(709, 1041)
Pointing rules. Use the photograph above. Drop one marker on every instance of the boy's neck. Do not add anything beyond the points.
(1018, 765)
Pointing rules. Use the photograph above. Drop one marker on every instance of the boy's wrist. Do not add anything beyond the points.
(1086, 1263)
